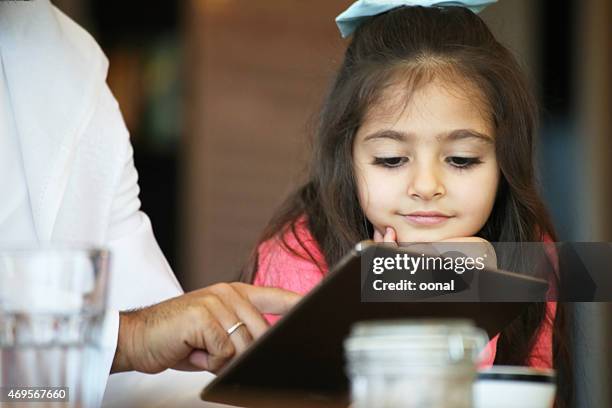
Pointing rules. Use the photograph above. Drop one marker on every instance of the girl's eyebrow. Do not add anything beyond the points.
(461, 134)
(455, 135)
(388, 134)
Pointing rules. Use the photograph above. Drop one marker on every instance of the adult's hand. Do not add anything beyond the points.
(189, 332)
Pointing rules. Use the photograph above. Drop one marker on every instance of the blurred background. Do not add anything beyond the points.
(221, 97)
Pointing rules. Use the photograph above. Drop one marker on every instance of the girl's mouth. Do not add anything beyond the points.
(426, 218)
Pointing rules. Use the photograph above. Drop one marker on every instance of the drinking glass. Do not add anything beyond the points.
(52, 303)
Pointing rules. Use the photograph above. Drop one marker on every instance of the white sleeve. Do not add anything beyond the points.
(140, 276)
(139, 273)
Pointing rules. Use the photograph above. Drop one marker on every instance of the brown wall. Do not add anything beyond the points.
(256, 74)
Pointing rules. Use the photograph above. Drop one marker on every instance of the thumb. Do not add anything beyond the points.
(203, 360)
(199, 360)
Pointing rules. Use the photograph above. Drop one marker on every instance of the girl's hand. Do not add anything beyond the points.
(390, 237)
(480, 248)
(465, 239)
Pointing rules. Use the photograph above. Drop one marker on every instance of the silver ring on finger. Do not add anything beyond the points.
(234, 328)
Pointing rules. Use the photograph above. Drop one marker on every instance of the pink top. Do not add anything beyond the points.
(277, 267)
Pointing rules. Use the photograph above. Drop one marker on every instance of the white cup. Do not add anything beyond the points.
(514, 387)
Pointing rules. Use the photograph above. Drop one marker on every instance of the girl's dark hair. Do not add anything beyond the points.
(415, 45)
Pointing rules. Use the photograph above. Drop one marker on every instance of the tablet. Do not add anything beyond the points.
(300, 360)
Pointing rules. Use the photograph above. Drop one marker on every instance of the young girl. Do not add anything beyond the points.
(426, 135)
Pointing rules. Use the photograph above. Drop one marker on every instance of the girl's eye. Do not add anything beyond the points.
(390, 161)
(463, 162)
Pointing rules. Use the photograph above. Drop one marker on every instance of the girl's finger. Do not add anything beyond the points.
(390, 236)
(378, 236)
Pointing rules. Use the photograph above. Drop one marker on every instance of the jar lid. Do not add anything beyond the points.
(415, 342)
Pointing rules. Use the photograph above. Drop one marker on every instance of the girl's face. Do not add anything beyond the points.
(427, 169)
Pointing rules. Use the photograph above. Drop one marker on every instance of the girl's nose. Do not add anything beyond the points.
(425, 183)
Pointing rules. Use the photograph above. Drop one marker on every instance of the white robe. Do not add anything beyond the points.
(82, 186)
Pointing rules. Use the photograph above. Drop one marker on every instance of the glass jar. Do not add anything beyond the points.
(413, 363)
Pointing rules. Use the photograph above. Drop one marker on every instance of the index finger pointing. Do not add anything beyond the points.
(268, 300)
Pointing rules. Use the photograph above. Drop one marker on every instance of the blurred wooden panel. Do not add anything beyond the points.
(594, 64)
(593, 332)
(256, 75)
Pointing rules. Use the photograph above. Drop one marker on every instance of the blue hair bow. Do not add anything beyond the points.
(361, 10)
